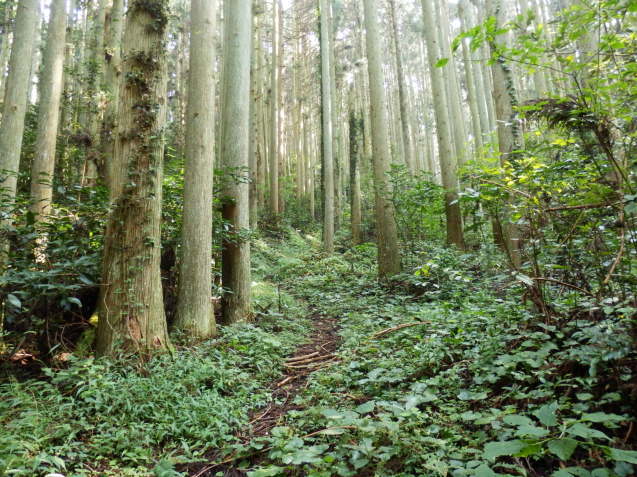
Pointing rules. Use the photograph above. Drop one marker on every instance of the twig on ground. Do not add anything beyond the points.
(301, 358)
(387, 331)
(292, 364)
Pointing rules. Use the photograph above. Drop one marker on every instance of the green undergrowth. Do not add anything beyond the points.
(477, 385)
(101, 417)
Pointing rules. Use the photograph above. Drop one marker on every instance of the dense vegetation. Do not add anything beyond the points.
(355, 238)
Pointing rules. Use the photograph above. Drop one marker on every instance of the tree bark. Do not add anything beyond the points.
(113, 57)
(448, 166)
(274, 113)
(355, 125)
(234, 151)
(51, 82)
(14, 108)
(195, 313)
(386, 231)
(131, 310)
(328, 143)
(402, 93)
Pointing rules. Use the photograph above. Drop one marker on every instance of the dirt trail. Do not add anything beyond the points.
(310, 357)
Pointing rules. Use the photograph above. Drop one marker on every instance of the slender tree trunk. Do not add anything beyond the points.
(448, 165)
(481, 93)
(328, 143)
(471, 88)
(507, 127)
(131, 309)
(386, 231)
(14, 108)
(402, 93)
(355, 124)
(5, 48)
(254, 118)
(195, 314)
(113, 57)
(234, 151)
(51, 82)
(274, 116)
(93, 161)
(454, 98)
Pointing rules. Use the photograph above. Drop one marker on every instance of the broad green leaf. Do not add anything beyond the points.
(582, 430)
(517, 420)
(561, 473)
(484, 471)
(442, 62)
(623, 455)
(602, 417)
(546, 414)
(533, 431)
(496, 449)
(366, 407)
(333, 431)
(563, 448)
(472, 396)
(270, 471)
(332, 414)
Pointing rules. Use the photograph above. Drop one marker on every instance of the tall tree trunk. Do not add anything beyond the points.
(328, 143)
(448, 165)
(386, 231)
(51, 82)
(471, 87)
(93, 161)
(481, 92)
(355, 126)
(5, 48)
(14, 108)
(131, 309)
(113, 57)
(450, 72)
(254, 118)
(195, 314)
(508, 127)
(234, 151)
(402, 93)
(274, 113)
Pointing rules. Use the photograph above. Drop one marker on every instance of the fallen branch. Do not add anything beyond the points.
(287, 380)
(301, 358)
(564, 284)
(310, 365)
(387, 331)
(308, 360)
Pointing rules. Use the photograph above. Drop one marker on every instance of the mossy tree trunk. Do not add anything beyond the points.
(131, 310)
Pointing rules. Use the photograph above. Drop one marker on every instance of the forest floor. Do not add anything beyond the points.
(443, 371)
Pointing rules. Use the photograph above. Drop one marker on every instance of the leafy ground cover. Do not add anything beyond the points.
(447, 372)
(443, 371)
(98, 417)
